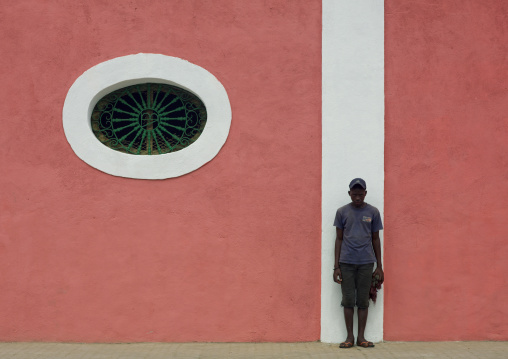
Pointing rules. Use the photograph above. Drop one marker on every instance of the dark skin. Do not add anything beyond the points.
(357, 195)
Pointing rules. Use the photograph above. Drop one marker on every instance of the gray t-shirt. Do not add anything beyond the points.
(357, 224)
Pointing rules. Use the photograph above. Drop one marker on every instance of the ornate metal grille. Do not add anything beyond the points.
(148, 119)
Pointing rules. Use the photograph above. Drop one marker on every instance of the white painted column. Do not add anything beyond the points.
(353, 136)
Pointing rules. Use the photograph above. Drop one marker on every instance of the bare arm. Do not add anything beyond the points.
(376, 244)
(337, 275)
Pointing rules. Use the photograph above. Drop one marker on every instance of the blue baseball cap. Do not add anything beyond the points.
(359, 181)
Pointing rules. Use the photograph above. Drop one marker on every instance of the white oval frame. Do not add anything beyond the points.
(124, 71)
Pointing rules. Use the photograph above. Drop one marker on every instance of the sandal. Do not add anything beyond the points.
(345, 345)
(365, 344)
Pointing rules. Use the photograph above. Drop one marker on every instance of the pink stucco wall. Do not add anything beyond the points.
(230, 252)
(446, 170)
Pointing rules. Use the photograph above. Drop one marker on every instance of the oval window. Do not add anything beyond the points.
(148, 119)
(146, 116)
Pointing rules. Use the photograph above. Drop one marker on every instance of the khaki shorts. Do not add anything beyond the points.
(356, 282)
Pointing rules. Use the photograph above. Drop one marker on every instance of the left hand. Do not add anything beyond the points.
(379, 271)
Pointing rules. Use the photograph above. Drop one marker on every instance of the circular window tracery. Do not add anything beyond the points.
(148, 119)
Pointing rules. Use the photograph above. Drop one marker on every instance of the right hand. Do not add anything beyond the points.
(337, 276)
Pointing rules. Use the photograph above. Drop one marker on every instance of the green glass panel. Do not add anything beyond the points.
(148, 119)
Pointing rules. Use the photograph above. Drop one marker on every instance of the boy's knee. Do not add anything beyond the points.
(362, 303)
(348, 301)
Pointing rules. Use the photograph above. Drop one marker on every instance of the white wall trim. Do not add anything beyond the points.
(353, 136)
(128, 70)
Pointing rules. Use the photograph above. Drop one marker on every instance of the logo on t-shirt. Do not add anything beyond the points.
(367, 219)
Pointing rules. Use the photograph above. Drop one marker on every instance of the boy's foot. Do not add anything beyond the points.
(348, 343)
(365, 344)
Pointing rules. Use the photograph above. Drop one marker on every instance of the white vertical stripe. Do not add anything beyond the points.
(353, 136)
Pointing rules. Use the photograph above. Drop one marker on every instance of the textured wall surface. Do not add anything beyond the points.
(230, 252)
(446, 179)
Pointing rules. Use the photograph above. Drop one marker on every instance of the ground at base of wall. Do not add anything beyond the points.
(409, 350)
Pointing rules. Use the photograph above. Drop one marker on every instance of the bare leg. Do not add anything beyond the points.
(362, 322)
(348, 318)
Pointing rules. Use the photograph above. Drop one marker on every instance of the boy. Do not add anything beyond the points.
(357, 247)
